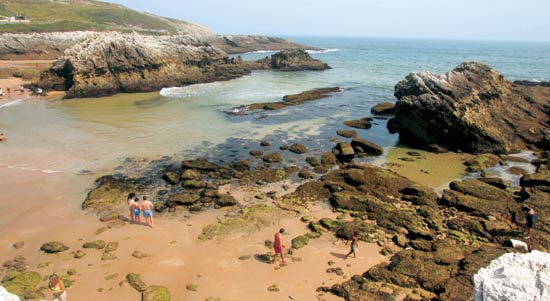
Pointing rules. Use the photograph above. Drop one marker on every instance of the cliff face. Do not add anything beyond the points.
(109, 63)
(472, 108)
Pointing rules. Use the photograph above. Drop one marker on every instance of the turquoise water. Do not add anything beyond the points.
(98, 134)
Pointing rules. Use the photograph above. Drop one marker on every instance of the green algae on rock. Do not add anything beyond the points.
(135, 281)
(156, 293)
(248, 220)
(53, 247)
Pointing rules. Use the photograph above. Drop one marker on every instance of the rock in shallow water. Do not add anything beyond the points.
(515, 277)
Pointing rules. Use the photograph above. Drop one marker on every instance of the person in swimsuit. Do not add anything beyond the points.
(278, 245)
(129, 201)
(530, 218)
(137, 213)
(354, 247)
(147, 208)
(58, 288)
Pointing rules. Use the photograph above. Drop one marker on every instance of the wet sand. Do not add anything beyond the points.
(48, 209)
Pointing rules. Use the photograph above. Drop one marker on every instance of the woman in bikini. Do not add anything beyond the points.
(130, 199)
(58, 288)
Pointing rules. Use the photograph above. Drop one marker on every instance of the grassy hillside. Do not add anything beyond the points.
(66, 15)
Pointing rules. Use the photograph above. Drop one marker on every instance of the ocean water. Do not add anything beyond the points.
(73, 136)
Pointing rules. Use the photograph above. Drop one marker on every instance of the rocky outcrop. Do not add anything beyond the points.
(472, 108)
(293, 99)
(514, 277)
(249, 43)
(291, 60)
(109, 63)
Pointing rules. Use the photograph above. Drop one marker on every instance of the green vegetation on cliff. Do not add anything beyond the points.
(64, 15)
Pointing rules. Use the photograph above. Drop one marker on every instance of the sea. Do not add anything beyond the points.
(96, 135)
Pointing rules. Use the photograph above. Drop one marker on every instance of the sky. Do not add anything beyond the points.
(514, 20)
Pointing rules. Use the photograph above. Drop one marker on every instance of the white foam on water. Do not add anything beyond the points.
(189, 91)
(26, 168)
(324, 50)
(11, 103)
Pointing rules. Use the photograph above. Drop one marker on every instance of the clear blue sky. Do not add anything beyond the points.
(452, 19)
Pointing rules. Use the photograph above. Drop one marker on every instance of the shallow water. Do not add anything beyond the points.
(95, 135)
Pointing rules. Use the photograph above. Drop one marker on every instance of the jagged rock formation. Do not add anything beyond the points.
(109, 63)
(291, 60)
(515, 277)
(472, 108)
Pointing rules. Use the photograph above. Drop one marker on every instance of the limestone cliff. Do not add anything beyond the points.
(472, 108)
(108, 63)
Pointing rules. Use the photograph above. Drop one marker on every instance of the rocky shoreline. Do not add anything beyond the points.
(111, 63)
(434, 243)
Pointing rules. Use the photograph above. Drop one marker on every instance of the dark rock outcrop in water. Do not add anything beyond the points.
(291, 60)
(249, 43)
(472, 108)
(292, 100)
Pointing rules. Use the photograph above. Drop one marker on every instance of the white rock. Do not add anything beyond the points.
(515, 277)
(7, 296)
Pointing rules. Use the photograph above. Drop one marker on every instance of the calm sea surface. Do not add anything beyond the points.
(98, 134)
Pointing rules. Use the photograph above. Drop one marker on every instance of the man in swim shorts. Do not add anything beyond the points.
(278, 245)
(147, 208)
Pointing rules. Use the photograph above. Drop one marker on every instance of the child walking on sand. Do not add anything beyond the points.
(354, 247)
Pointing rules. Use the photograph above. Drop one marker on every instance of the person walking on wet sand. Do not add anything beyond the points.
(58, 288)
(353, 247)
(530, 218)
(135, 205)
(147, 209)
(278, 245)
(129, 201)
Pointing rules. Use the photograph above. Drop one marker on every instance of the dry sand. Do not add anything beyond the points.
(48, 210)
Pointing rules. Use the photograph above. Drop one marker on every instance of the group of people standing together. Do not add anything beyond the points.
(137, 207)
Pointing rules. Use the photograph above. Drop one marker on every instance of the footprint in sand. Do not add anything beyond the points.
(174, 262)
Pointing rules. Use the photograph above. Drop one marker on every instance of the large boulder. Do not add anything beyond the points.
(53, 247)
(472, 108)
(293, 60)
(515, 277)
(156, 293)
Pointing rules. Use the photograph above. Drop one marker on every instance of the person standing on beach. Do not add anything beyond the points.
(135, 205)
(58, 288)
(278, 245)
(530, 218)
(147, 208)
(353, 247)
(129, 201)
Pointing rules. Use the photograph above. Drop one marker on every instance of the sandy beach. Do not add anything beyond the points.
(177, 257)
